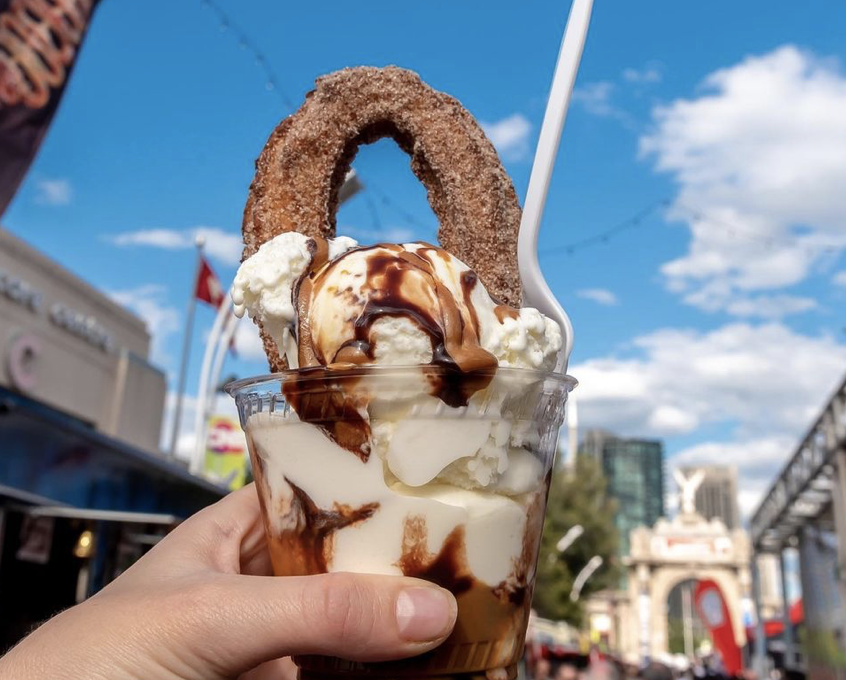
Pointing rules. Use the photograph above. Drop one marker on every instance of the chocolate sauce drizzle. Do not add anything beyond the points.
(448, 568)
(331, 403)
(400, 283)
(323, 401)
(308, 546)
(469, 279)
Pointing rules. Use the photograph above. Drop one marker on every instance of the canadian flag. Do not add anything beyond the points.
(209, 290)
(208, 287)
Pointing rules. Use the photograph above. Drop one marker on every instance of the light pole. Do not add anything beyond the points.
(569, 538)
(566, 541)
(589, 569)
(200, 242)
(351, 186)
(687, 619)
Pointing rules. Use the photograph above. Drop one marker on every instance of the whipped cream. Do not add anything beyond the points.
(264, 285)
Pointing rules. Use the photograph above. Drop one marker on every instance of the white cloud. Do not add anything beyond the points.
(769, 306)
(761, 385)
(161, 319)
(670, 418)
(248, 342)
(718, 295)
(186, 438)
(599, 295)
(839, 279)
(53, 191)
(219, 244)
(225, 246)
(757, 380)
(155, 238)
(510, 136)
(757, 160)
(649, 74)
(596, 98)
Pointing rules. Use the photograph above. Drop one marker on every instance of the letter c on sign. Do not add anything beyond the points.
(20, 361)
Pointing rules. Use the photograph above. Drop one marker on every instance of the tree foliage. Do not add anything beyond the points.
(577, 497)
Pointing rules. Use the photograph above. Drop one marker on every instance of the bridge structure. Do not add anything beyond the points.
(805, 509)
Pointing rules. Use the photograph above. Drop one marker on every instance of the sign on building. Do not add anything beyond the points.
(226, 460)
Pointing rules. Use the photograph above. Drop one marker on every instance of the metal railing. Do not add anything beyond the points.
(804, 488)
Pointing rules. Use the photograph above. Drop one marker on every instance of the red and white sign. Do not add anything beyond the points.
(226, 462)
(225, 436)
(690, 547)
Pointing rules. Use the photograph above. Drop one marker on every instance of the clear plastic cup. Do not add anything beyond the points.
(421, 471)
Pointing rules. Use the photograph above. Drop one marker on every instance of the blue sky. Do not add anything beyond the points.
(715, 322)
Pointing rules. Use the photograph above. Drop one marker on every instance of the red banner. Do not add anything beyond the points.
(713, 611)
(39, 42)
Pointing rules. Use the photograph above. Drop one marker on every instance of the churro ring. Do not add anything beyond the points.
(307, 157)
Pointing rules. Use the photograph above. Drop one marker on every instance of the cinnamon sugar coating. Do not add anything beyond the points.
(303, 165)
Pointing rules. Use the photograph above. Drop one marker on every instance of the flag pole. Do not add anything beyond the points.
(186, 348)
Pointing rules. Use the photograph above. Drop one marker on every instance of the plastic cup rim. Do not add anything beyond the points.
(320, 372)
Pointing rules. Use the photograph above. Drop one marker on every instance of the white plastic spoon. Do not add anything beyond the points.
(536, 292)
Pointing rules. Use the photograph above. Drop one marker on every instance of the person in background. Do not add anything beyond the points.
(542, 669)
(656, 671)
(793, 674)
(602, 669)
(566, 671)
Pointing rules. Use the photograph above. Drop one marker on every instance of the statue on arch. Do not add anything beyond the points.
(687, 489)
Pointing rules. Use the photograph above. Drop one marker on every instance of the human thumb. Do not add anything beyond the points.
(239, 621)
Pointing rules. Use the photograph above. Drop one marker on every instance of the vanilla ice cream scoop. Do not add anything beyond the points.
(411, 304)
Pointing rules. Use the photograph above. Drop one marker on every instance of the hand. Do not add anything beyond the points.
(202, 605)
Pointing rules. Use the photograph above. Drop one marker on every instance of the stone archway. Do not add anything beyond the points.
(686, 548)
(666, 578)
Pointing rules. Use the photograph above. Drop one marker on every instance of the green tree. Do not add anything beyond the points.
(577, 497)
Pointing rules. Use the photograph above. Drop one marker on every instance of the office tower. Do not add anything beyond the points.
(634, 470)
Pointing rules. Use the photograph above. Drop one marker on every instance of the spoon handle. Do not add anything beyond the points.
(536, 292)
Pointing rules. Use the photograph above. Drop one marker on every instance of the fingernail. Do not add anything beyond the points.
(424, 614)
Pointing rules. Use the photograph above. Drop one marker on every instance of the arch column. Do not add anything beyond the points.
(663, 582)
(643, 607)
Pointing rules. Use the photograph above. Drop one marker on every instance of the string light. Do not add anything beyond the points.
(374, 212)
(245, 43)
(393, 205)
(638, 219)
(271, 84)
(604, 237)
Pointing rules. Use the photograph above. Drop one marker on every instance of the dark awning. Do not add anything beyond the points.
(47, 454)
